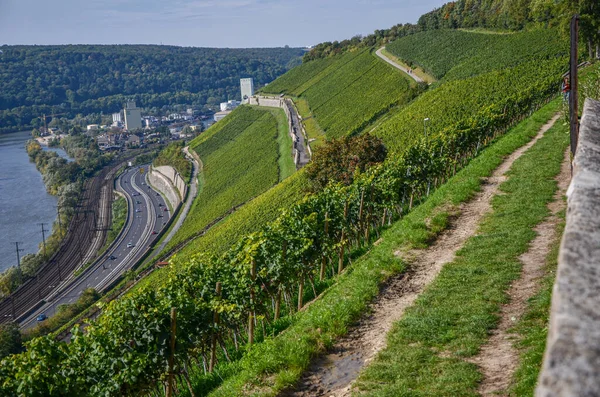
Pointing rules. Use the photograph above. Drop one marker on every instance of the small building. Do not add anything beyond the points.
(229, 105)
(134, 140)
(93, 127)
(117, 118)
(221, 115)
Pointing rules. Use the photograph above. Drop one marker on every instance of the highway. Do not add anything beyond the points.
(147, 215)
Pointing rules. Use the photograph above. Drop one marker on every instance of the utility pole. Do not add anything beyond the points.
(44, 238)
(18, 256)
(59, 223)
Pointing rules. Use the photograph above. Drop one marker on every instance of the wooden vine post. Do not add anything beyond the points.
(360, 215)
(251, 315)
(171, 363)
(343, 236)
(278, 297)
(213, 342)
(324, 257)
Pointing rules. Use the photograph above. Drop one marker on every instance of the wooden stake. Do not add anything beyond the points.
(278, 303)
(213, 342)
(251, 315)
(172, 353)
(300, 294)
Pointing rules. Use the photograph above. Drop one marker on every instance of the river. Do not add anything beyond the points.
(24, 203)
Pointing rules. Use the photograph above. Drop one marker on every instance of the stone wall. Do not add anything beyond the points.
(169, 182)
(175, 178)
(572, 359)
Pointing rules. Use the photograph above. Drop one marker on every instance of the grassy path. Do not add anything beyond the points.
(430, 349)
(278, 363)
(364, 341)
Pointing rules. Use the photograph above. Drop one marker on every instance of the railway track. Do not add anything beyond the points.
(86, 234)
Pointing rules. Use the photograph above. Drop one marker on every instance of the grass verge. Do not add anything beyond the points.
(285, 160)
(533, 326)
(452, 319)
(278, 362)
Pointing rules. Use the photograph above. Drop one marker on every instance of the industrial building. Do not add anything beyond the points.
(133, 117)
(247, 87)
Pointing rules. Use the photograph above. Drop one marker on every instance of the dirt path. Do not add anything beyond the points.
(498, 358)
(394, 64)
(333, 374)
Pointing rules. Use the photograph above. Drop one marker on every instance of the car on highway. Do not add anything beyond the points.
(137, 210)
(160, 216)
(137, 201)
(129, 245)
(41, 317)
(158, 194)
(160, 204)
(154, 232)
(166, 209)
(112, 257)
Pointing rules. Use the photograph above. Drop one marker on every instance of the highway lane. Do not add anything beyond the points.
(146, 217)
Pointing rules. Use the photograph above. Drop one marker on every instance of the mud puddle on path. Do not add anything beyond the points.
(332, 375)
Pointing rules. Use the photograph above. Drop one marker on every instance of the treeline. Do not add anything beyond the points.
(75, 79)
(508, 15)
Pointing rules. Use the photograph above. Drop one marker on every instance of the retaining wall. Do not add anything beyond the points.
(166, 179)
(572, 359)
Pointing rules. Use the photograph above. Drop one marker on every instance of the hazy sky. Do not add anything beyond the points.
(201, 23)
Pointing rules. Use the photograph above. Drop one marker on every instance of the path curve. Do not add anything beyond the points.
(397, 66)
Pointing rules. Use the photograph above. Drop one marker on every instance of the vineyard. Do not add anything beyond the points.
(455, 54)
(246, 280)
(347, 92)
(487, 101)
(239, 156)
(228, 302)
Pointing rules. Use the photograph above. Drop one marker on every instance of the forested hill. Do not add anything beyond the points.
(94, 78)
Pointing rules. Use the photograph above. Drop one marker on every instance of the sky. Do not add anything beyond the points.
(201, 23)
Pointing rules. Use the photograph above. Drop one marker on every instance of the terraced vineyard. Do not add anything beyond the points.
(455, 54)
(347, 92)
(240, 161)
(487, 100)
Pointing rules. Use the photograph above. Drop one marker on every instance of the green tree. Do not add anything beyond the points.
(339, 159)
(10, 339)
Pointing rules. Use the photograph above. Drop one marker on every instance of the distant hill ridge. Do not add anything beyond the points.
(100, 78)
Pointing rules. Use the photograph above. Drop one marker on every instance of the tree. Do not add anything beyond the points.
(339, 159)
(10, 339)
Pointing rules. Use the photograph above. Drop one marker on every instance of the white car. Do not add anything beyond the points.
(129, 245)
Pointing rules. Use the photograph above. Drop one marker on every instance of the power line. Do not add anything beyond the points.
(18, 256)
(43, 237)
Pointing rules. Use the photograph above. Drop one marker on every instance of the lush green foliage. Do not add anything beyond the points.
(127, 350)
(173, 155)
(347, 92)
(10, 339)
(487, 101)
(339, 159)
(510, 14)
(443, 319)
(455, 54)
(239, 157)
(92, 78)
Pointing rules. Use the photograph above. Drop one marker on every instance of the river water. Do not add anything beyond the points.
(24, 203)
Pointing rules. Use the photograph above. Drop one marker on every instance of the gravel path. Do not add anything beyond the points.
(397, 66)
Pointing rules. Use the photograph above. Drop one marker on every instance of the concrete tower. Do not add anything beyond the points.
(133, 117)
(247, 87)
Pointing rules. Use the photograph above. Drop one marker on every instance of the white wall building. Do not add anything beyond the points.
(229, 105)
(133, 116)
(247, 87)
(117, 118)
